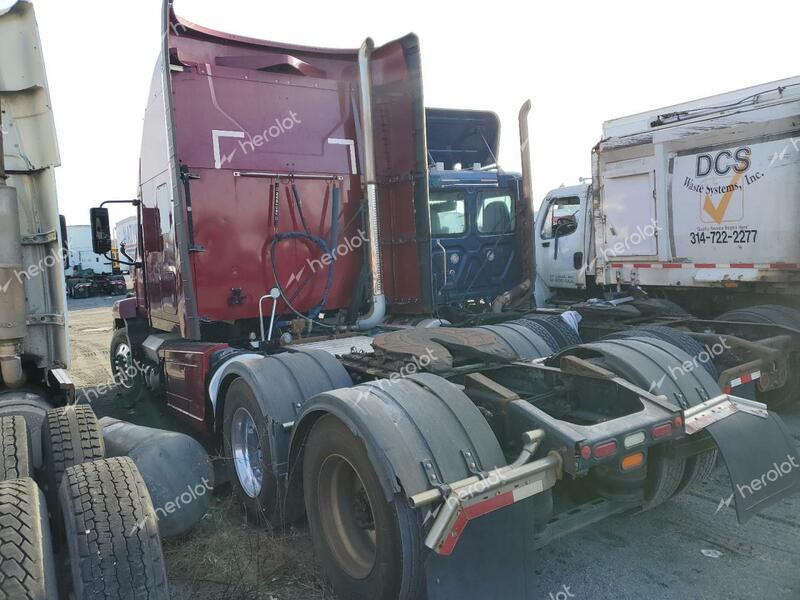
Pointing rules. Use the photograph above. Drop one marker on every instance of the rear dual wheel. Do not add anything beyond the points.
(369, 549)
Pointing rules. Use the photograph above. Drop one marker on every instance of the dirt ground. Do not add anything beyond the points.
(686, 549)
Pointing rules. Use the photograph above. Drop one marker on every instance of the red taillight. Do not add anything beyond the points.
(660, 431)
(605, 449)
(586, 452)
(678, 422)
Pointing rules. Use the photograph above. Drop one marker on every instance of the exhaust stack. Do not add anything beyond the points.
(13, 312)
(378, 309)
(525, 216)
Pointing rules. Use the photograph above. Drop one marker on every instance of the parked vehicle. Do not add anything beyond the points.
(87, 283)
(478, 247)
(429, 461)
(692, 209)
(57, 489)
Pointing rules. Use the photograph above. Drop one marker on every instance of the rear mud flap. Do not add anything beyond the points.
(493, 559)
(762, 459)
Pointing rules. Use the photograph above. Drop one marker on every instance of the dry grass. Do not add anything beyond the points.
(227, 558)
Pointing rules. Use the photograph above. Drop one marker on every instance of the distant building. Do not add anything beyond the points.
(79, 239)
(127, 232)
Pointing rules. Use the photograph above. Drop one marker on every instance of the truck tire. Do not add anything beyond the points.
(113, 545)
(128, 374)
(15, 455)
(541, 331)
(27, 568)
(264, 396)
(368, 548)
(33, 408)
(71, 436)
(564, 335)
(773, 314)
(677, 338)
(522, 341)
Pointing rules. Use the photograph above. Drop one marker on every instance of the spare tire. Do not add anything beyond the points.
(112, 536)
(27, 568)
(15, 455)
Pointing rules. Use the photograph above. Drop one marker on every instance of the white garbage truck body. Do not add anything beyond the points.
(696, 198)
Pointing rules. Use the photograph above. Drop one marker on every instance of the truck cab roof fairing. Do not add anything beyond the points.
(240, 107)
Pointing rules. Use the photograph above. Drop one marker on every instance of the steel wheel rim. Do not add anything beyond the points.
(347, 517)
(246, 450)
(123, 364)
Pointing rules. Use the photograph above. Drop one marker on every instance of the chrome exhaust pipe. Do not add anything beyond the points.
(526, 202)
(378, 310)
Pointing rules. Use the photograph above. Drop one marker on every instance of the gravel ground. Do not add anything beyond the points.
(684, 550)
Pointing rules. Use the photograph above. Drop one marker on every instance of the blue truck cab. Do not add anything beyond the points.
(473, 209)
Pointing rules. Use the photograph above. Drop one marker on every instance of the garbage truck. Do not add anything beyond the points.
(286, 233)
(68, 515)
(692, 209)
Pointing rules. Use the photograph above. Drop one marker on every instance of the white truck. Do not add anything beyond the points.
(55, 484)
(695, 207)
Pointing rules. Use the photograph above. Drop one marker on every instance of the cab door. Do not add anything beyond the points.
(560, 239)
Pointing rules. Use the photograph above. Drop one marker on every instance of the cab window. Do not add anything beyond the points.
(448, 213)
(561, 217)
(496, 214)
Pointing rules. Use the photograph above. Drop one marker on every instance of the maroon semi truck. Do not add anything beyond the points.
(285, 255)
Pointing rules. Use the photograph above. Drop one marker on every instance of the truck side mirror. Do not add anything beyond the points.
(101, 230)
(62, 222)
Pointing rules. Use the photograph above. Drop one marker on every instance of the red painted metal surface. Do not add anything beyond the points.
(186, 365)
(243, 106)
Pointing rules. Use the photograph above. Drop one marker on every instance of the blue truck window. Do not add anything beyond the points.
(496, 213)
(448, 213)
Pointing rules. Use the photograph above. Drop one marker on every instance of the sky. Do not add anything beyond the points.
(581, 63)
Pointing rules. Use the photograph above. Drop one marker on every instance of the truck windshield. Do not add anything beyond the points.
(448, 213)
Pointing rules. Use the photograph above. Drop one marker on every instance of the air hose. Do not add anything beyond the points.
(317, 241)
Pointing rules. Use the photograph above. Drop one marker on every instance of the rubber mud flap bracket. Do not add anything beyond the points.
(762, 459)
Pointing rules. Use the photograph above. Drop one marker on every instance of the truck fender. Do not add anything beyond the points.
(281, 383)
(420, 432)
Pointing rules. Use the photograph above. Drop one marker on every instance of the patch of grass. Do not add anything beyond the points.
(227, 558)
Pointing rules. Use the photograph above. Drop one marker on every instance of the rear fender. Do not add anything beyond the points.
(281, 384)
(419, 431)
